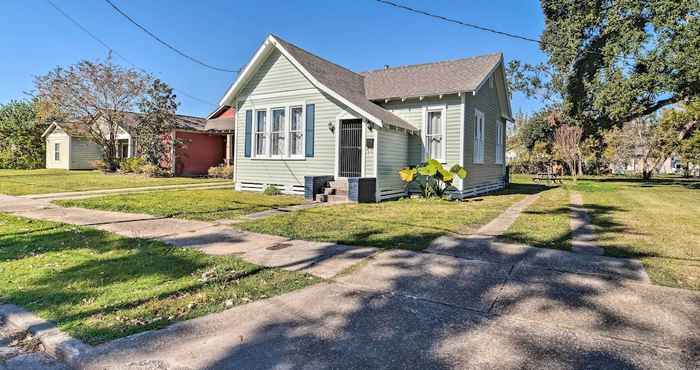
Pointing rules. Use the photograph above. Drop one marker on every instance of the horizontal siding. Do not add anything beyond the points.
(83, 153)
(393, 156)
(276, 74)
(60, 137)
(486, 100)
(370, 153)
(412, 112)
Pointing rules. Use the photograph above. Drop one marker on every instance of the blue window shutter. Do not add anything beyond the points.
(310, 120)
(248, 132)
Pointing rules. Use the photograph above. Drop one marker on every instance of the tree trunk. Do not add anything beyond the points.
(646, 174)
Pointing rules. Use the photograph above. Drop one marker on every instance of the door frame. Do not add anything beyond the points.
(338, 122)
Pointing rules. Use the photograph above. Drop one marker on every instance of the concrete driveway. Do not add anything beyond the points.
(427, 311)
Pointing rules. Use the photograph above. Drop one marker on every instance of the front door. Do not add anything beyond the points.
(350, 153)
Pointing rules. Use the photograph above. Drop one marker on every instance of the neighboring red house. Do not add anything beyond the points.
(201, 147)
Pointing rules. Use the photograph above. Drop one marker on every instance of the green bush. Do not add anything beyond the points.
(272, 190)
(132, 165)
(432, 178)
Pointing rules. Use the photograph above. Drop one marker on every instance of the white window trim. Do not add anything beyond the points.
(479, 120)
(287, 127)
(443, 128)
(499, 142)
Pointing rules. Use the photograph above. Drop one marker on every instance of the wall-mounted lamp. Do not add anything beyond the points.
(331, 126)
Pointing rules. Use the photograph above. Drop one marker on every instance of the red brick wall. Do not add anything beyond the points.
(199, 152)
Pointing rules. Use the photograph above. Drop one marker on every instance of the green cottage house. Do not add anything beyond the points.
(309, 126)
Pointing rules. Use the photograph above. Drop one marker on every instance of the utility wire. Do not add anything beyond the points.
(111, 50)
(475, 26)
(169, 46)
(451, 20)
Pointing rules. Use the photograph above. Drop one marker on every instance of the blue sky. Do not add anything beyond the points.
(358, 34)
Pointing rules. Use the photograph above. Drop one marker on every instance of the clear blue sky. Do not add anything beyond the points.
(358, 34)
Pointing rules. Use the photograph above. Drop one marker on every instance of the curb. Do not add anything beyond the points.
(56, 343)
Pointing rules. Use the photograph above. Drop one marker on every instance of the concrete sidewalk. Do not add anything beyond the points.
(324, 260)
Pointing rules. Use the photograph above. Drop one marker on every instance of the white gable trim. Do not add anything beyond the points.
(49, 129)
(259, 58)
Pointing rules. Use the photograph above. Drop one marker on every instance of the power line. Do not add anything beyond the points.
(475, 26)
(111, 50)
(169, 46)
(451, 20)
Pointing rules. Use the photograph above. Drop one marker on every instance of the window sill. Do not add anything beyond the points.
(278, 158)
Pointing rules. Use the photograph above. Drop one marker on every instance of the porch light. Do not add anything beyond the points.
(331, 126)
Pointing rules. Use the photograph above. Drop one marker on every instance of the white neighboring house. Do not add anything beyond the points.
(69, 147)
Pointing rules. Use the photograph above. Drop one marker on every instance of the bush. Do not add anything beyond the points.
(151, 170)
(99, 165)
(132, 165)
(272, 190)
(221, 171)
(432, 178)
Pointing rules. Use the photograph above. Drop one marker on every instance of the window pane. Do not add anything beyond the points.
(296, 133)
(296, 118)
(277, 132)
(261, 121)
(435, 122)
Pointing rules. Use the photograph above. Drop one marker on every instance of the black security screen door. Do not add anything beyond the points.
(350, 161)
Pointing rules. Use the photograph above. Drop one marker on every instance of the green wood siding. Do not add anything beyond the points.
(278, 75)
(486, 100)
(83, 152)
(393, 155)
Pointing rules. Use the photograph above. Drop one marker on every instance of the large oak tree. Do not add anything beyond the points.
(611, 61)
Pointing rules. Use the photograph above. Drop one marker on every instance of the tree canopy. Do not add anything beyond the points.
(610, 61)
(21, 144)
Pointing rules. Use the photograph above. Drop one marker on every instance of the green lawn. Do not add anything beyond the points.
(657, 222)
(22, 182)
(205, 204)
(407, 223)
(98, 286)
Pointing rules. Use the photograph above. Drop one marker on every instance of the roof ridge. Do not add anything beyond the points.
(407, 66)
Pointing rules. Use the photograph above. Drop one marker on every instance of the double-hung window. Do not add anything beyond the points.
(282, 137)
(56, 151)
(499, 142)
(277, 133)
(479, 137)
(261, 147)
(296, 132)
(434, 143)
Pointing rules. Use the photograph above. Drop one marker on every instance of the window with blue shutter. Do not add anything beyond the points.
(310, 120)
(248, 132)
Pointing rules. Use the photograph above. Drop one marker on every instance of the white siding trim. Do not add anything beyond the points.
(364, 147)
(443, 127)
(280, 94)
(462, 126)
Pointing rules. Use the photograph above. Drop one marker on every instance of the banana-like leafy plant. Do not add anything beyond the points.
(432, 178)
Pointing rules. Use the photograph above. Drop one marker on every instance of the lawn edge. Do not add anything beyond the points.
(56, 343)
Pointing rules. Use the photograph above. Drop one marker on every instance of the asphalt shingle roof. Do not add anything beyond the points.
(446, 77)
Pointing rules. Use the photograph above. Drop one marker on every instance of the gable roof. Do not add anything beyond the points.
(70, 128)
(358, 90)
(446, 77)
(131, 120)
